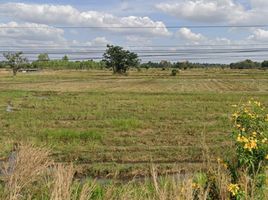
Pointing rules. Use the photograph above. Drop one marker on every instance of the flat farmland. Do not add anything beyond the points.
(111, 125)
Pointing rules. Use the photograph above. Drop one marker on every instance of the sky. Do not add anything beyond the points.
(155, 29)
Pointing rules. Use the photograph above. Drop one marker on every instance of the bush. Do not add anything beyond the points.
(247, 167)
(174, 72)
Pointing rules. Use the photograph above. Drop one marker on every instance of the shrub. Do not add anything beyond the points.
(174, 72)
(250, 134)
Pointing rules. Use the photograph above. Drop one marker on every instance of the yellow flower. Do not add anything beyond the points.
(252, 116)
(246, 110)
(264, 140)
(242, 139)
(238, 126)
(251, 144)
(266, 157)
(239, 139)
(258, 103)
(225, 166)
(243, 129)
(235, 115)
(234, 189)
(254, 134)
(195, 186)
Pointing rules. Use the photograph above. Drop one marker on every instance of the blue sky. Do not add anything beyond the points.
(44, 21)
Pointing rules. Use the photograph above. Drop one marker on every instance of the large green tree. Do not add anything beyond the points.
(120, 60)
(15, 61)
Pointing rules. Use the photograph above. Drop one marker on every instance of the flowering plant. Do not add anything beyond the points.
(251, 141)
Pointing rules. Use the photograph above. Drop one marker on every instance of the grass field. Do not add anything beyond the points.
(109, 124)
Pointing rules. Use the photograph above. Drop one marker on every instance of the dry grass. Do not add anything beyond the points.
(63, 178)
(26, 164)
(183, 188)
(32, 163)
(151, 81)
(87, 191)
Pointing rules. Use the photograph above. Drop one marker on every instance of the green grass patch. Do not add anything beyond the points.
(66, 135)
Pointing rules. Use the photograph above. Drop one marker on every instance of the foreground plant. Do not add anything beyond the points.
(250, 135)
(26, 165)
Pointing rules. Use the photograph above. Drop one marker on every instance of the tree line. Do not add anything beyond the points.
(180, 65)
(17, 61)
(116, 58)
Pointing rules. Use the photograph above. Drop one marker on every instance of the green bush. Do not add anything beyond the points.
(174, 72)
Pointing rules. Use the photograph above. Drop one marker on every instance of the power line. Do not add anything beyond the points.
(159, 56)
(179, 54)
(139, 27)
(53, 47)
(215, 50)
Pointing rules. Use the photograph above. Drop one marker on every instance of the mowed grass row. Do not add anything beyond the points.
(106, 123)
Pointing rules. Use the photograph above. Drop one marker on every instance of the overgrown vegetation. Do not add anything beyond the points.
(248, 167)
(30, 172)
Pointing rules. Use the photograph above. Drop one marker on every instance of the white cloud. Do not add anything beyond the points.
(30, 32)
(67, 15)
(218, 11)
(99, 41)
(203, 10)
(259, 35)
(259, 3)
(188, 35)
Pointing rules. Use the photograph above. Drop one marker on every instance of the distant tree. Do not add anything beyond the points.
(43, 57)
(265, 64)
(65, 58)
(246, 64)
(119, 59)
(184, 65)
(165, 64)
(15, 61)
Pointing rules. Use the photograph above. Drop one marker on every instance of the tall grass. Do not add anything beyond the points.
(25, 166)
(31, 165)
